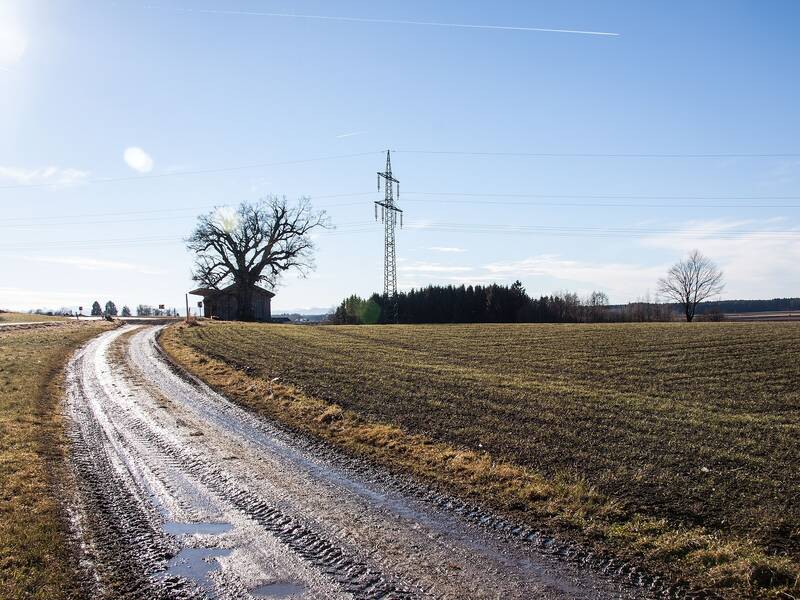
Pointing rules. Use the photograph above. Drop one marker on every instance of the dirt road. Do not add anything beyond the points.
(176, 492)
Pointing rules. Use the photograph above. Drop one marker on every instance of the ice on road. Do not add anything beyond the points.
(179, 493)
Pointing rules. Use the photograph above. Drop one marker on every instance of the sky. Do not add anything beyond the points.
(571, 145)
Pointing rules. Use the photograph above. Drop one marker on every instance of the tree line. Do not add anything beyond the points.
(472, 304)
(740, 306)
(110, 310)
(688, 283)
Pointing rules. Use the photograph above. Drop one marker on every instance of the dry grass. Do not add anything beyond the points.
(15, 317)
(672, 444)
(35, 560)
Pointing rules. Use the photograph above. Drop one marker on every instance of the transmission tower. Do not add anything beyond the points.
(389, 212)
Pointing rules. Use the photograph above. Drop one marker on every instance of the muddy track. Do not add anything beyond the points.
(178, 493)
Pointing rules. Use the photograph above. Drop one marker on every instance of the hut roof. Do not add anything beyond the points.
(230, 290)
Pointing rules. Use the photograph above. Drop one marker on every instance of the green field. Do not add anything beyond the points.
(35, 558)
(691, 431)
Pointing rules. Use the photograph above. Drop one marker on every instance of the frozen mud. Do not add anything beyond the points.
(179, 493)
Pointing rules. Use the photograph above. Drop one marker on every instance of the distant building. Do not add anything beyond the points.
(223, 304)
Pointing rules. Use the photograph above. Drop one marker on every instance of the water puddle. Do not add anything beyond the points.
(279, 589)
(196, 564)
(175, 528)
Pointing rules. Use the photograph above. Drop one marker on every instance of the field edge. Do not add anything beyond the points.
(565, 505)
(39, 557)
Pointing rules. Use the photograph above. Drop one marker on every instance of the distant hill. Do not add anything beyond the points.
(296, 317)
(314, 310)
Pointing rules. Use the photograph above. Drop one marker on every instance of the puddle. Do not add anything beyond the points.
(279, 589)
(175, 528)
(195, 564)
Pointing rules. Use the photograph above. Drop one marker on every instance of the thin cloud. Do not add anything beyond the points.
(94, 264)
(623, 280)
(55, 176)
(15, 298)
(447, 249)
(433, 268)
(419, 224)
(760, 264)
(347, 135)
(242, 13)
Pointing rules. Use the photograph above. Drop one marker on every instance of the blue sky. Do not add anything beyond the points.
(203, 86)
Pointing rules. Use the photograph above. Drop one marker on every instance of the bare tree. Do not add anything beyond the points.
(691, 281)
(595, 307)
(144, 310)
(254, 245)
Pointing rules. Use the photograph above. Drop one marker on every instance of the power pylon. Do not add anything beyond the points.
(389, 212)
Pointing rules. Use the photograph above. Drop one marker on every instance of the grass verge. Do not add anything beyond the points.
(451, 384)
(35, 556)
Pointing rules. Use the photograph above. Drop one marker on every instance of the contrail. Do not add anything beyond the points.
(391, 21)
(347, 135)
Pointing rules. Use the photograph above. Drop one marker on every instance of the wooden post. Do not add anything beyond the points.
(187, 307)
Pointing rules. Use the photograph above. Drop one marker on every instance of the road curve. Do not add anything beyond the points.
(178, 493)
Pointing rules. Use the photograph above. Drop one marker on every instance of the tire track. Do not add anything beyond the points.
(167, 470)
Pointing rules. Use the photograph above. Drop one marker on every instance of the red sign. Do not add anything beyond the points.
(161, 307)
(199, 305)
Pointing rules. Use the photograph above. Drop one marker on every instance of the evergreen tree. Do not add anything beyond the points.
(111, 309)
(467, 304)
(96, 310)
(126, 312)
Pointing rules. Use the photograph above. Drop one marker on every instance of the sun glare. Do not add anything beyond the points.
(13, 41)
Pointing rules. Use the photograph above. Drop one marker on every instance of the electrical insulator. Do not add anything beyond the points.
(398, 190)
(379, 182)
(401, 214)
(376, 212)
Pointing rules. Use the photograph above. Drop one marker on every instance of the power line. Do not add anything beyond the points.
(431, 197)
(188, 173)
(561, 203)
(601, 231)
(606, 196)
(369, 153)
(90, 218)
(481, 228)
(602, 155)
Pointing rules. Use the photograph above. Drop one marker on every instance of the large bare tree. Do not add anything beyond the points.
(254, 245)
(691, 281)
